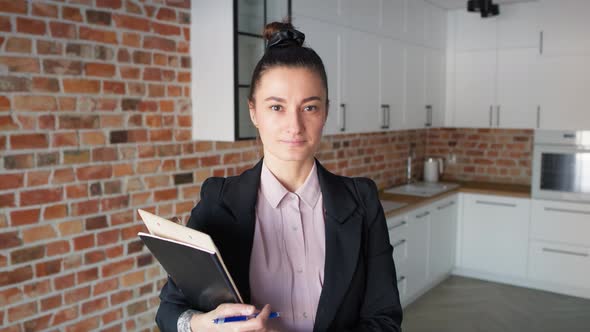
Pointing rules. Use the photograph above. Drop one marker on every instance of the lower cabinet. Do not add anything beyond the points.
(495, 234)
(423, 243)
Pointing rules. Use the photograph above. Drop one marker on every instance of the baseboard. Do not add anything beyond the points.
(524, 282)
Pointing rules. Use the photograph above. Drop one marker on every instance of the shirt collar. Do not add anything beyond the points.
(274, 191)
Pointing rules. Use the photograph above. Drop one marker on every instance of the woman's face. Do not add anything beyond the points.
(290, 112)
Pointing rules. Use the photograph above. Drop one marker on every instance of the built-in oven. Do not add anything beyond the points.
(561, 165)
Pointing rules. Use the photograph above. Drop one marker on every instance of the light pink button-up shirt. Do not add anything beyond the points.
(288, 253)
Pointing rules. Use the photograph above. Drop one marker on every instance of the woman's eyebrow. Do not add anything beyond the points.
(281, 100)
(311, 98)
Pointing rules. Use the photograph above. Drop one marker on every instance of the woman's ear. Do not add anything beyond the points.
(252, 111)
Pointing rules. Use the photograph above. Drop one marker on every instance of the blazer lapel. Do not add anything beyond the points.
(343, 240)
(240, 196)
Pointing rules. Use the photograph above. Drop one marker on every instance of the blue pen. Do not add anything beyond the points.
(242, 318)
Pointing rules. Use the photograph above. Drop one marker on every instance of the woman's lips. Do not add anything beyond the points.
(293, 142)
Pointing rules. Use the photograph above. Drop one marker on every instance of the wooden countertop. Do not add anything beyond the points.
(414, 202)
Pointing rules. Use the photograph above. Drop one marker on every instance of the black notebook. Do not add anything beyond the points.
(192, 261)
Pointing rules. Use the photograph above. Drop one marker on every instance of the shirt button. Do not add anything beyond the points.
(305, 315)
(299, 270)
(294, 228)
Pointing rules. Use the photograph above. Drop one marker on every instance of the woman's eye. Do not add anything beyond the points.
(310, 108)
(276, 107)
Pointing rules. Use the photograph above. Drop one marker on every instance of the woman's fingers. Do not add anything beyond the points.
(234, 309)
(258, 323)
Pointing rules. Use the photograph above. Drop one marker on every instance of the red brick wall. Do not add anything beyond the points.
(94, 123)
(488, 155)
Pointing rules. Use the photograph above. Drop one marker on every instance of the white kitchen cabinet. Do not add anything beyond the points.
(435, 78)
(472, 33)
(415, 113)
(418, 243)
(517, 88)
(416, 22)
(391, 88)
(565, 27)
(565, 84)
(560, 264)
(393, 19)
(361, 15)
(443, 239)
(398, 236)
(562, 222)
(360, 80)
(325, 10)
(495, 235)
(475, 77)
(326, 40)
(435, 27)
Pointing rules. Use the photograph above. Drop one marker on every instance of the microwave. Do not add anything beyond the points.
(561, 165)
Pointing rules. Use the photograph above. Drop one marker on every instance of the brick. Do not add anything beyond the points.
(13, 6)
(7, 200)
(102, 36)
(62, 67)
(99, 69)
(22, 311)
(34, 103)
(113, 87)
(19, 45)
(84, 208)
(81, 86)
(28, 141)
(45, 84)
(62, 30)
(47, 159)
(129, 72)
(113, 4)
(94, 172)
(46, 10)
(5, 25)
(38, 178)
(166, 194)
(87, 275)
(38, 233)
(78, 121)
(9, 296)
(96, 223)
(131, 22)
(20, 64)
(19, 161)
(16, 276)
(48, 268)
(93, 138)
(24, 217)
(40, 196)
(104, 154)
(4, 102)
(51, 302)
(114, 203)
(112, 269)
(76, 157)
(65, 315)
(10, 240)
(30, 26)
(166, 14)
(71, 14)
(11, 181)
(77, 295)
(141, 57)
(61, 139)
(38, 324)
(64, 175)
(152, 74)
(94, 305)
(123, 56)
(98, 17)
(165, 29)
(27, 254)
(163, 44)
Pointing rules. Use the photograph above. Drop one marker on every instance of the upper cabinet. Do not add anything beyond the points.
(393, 19)
(435, 28)
(362, 15)
(565, 27)
(325, 10)
(516, 26)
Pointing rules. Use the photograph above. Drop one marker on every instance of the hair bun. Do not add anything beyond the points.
(279, 34)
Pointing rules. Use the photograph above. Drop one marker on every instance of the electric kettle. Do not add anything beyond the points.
(433, 168)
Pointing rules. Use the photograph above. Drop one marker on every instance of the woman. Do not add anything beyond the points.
(311, 244)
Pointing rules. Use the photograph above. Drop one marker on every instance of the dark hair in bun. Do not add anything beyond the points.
(285, 48)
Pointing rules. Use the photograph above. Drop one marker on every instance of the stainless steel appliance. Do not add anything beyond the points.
(561, 165)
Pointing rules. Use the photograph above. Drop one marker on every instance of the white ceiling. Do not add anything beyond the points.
(458, 4)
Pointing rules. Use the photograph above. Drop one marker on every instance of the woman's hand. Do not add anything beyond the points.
(204, 322)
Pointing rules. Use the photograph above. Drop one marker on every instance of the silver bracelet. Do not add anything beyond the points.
(184, 321)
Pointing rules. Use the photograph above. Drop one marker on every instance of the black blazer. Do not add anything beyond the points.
(360, 288)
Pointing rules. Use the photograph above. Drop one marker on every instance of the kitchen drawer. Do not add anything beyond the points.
(397, 228)
(400, 255)
(560, 264)
(561, 222)
(402, 285)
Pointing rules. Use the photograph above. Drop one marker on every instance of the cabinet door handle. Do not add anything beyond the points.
(446, 205)
(399, 243)
(495, 203)
(422, 215)
(397, 225)
(400, 279)
(566, 252)
(566, 210)
(541, 42)
(343, 112)
(428, 116)
(491, 115)
(385, 116)
(497, 115)
(538, 116)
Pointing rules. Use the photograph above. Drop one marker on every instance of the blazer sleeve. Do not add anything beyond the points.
(173, 303)
(381, 309)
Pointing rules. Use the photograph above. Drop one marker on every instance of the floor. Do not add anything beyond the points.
(462, 304)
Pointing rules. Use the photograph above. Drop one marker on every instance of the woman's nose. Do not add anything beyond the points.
(295, 121)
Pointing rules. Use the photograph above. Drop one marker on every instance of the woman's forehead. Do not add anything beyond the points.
(291, 82)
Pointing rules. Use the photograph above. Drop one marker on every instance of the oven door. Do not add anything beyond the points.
(561, 173)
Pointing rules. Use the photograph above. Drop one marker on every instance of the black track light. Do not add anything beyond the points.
(485, 7)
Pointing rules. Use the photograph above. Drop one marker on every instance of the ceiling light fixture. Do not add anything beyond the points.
(486, 7)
